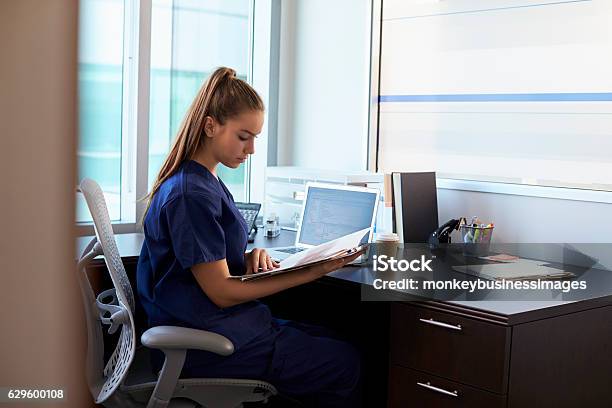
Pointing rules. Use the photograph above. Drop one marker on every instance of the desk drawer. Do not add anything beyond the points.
(410, 388)
(459, 348)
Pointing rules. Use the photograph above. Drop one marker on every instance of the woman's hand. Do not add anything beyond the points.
(259, 258)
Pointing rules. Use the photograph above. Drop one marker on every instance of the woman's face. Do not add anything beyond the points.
(233, 142)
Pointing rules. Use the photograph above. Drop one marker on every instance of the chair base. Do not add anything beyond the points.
(205, 392)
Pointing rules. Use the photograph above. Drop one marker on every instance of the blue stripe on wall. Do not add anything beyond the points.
(517, 97)
(487, 10)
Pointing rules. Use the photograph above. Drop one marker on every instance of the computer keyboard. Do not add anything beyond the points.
(292, 250)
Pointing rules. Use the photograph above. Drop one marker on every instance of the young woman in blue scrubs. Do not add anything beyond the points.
(195, 239)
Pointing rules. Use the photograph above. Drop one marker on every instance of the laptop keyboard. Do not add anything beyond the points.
(292, 250)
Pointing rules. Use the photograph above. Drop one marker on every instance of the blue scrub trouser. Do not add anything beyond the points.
(302, 361)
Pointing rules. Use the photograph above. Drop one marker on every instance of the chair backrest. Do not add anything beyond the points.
(113, 307)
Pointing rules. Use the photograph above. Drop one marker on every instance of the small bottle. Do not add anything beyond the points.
(272, 226)
(297, 220)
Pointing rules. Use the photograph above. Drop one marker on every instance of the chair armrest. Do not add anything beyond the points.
(183, 338)
(174, 341)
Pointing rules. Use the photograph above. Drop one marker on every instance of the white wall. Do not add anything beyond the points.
(521, 219)
(43, 325)
(324, 84)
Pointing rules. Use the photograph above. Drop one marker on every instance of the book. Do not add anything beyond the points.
(338, 248)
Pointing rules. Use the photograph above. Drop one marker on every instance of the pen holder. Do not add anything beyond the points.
(476, 240)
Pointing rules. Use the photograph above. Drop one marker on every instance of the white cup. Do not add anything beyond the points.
(387, 243)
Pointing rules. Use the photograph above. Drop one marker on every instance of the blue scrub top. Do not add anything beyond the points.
(192, 219)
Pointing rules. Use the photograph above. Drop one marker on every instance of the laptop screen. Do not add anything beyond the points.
(331, 214)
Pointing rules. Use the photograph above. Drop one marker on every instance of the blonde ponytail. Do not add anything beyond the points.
(221, 97)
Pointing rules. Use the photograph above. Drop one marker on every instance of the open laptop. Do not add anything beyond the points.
(331, 211)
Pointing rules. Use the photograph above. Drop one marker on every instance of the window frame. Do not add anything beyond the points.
(136, 106)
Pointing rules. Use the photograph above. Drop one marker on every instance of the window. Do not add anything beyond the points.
(188, 39)
(101, 36)
(512, 92)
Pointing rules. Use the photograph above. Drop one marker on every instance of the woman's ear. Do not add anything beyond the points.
(209, 126)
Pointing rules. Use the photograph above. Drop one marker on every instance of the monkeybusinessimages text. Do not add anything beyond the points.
(384, 263)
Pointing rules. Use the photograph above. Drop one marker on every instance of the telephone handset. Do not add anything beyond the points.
(442, 234)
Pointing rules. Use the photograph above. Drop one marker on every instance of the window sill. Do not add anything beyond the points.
(560, 193)
(84, 229)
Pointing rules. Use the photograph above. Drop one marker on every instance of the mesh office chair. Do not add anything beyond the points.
(125, 380)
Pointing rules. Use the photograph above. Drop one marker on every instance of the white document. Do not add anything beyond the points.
(337, 248)
(324, 251)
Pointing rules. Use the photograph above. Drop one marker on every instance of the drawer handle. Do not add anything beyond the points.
(440, 390)
(441, 324)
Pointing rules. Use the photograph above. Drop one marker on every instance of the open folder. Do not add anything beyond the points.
(338, 248)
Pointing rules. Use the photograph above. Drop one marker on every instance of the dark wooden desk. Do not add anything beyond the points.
(487, 352)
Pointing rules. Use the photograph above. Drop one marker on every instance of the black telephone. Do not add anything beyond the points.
(249, 211)
(442, 234)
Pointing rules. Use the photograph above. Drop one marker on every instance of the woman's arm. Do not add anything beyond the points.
(214, 279)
